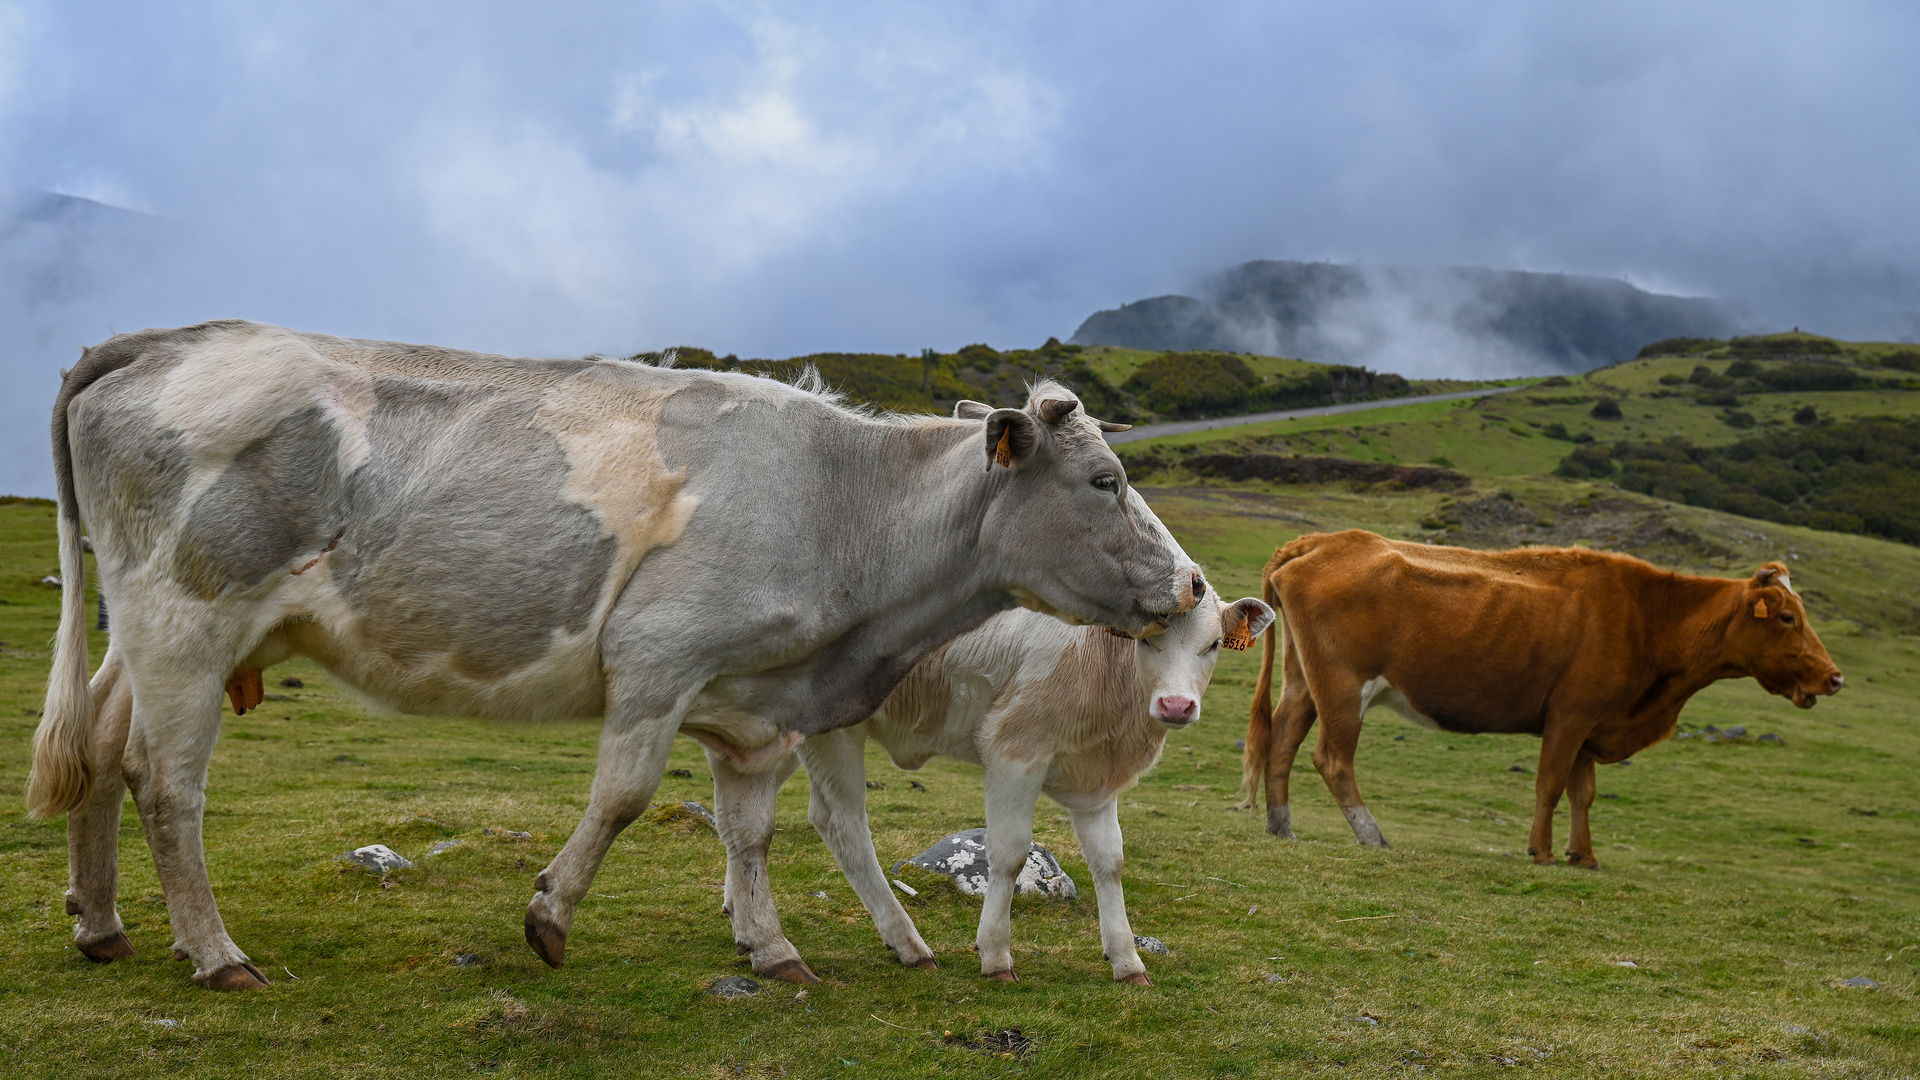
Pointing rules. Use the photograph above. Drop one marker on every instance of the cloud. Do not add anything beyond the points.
(771, 180)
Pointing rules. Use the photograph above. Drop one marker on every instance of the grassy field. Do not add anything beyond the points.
(1745, 881)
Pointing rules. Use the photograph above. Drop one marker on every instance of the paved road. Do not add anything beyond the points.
(1154, 431)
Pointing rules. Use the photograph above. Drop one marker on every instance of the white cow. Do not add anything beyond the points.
(1077, 712)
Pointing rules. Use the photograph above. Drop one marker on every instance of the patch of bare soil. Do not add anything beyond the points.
(1291, 469)
(1609, 524)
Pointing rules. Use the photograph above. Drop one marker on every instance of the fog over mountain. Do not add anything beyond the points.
(775, 179)
(1423, 322)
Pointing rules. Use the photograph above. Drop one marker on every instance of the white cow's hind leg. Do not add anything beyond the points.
(93, 828)
(176, 720)
(1099, 833)
(781, 773)
(633, 757)
(744, 805)
(1012, 789)
(837, 806)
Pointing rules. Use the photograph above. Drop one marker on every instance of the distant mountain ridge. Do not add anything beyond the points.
(1416, 320)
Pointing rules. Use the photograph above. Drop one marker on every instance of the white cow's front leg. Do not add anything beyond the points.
(93, 828)
(744, 806)
(1012, 789)
(633, 756)
(837, 806)
(1099, 831)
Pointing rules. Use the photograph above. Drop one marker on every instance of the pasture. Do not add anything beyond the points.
(1741, 882)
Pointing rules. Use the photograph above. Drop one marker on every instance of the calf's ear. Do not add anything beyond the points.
(971, 410)
(1774, 573)
(1012, 438)
(1243, 620)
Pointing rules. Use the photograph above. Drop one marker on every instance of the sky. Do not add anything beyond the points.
(776, 179)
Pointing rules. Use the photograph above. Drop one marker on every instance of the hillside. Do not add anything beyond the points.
(1398, 317)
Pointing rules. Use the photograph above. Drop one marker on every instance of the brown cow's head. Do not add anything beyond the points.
(1771, 640)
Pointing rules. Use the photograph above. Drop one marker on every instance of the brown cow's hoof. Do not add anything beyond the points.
(1138, 978)
(1585, 862)
(549, 942)
(1543, 858)
(793, 971)
(1005, 975)
(241, 976)
(925, 963)
(106, 950)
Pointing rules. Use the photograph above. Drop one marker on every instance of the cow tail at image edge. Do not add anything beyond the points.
(1260, 722)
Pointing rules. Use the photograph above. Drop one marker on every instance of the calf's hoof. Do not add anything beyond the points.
(1280, 822)
(105, 950)
(549, 942)
(925, 963)
(1138, 978)
(1542, 858)
(1584, 861)
(793, 971)
(1003, 975)
(240, 976)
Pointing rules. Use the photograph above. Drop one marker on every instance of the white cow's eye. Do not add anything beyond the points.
(1107, 482)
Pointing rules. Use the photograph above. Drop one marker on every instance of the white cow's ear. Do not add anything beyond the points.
(971, 410)
(1247, 617)
(1012, 438)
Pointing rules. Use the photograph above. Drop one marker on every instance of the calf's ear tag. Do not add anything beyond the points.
(1239, 640)
(1759, 609)
(1003, 453)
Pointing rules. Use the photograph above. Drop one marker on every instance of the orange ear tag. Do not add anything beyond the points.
(1003, 454)
(1239, 640)
(1759, 609)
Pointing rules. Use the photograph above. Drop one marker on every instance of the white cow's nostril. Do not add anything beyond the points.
(1177, 708)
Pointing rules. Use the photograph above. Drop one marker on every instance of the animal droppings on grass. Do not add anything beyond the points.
(1010, 1042)
(733, 986)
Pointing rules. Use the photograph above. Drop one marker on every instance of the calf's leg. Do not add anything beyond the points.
(1558, 749)
(1333, 756)
(837, 807)
(1012, 789)
(633, 756)
(1580, 789)
(744, 806)
(93, 828)
(1098, 829)
(1291, 722)
(176, 720)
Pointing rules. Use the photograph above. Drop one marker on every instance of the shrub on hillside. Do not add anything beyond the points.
(1679, 346)
(1586, 462)
(1606, 409)
(1810, 377)
(1189, 384)
(1555, 380)
(1806, 415)
(1763, 345)
(1903, 360)
(1701, 373)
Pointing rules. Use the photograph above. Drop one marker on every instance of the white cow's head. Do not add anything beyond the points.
(1175, 667)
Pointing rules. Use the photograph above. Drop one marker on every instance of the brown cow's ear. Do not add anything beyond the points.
(1012, 438)
(971, 410)
(1244, 620)
(1054, 410)
(1759, 609)
(1108, 425)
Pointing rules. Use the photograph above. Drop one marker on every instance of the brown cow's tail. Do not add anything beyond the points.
(62, 765)
(1253, 759)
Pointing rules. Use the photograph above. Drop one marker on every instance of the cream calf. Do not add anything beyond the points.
(1074, 712)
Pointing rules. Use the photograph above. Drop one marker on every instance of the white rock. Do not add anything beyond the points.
(443, 847)
(378, 858)
(963, 857)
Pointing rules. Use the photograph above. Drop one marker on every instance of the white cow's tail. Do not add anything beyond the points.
(62, 771)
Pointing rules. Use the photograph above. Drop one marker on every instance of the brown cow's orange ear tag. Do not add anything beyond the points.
(1003, 454)
(1759, 609)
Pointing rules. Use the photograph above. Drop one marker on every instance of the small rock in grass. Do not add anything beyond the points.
(467, 960)
(290, 681)
(821, 895)
(733, 986)
(512, 835)
(1239, 744)
(1151, 945)
(1516, 768)
(1808, 840)
(916, 785)
(164, 1022)
(378, 858)
(1399, 738)
(1625, 964)
(1771, 737)
(1711, 730)
(963, 857)
(1736, 732)
(443, 847)
(50, 580)
(1860, 982)
(1367, 1020)
(1271, 977)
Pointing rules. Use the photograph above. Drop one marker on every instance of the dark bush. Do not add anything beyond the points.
(1903, 360)
(1701, 373)
(1742, 368)
(1585, 462)
(1810, 377)
(1189, 384)
(1678, 346)
(1783, 345)
(1725, 399)
(1554, 380)
(1556, 430)
(1672, 380)
(1738, 418)
(1716, 382)
(1583, 437)
(1606, 409)
(1806, 415)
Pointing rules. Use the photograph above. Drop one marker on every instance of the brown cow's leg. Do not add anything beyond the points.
(93, 828)
(1580, 790)
(1333, 755)
(1557, 752)
(1291, 722)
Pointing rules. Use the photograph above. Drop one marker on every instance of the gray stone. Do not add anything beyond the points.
(1271, 977)
(511, 835)
(467, 960)
(443, 847)
(1860, 982)
(164, 1022)
(1151, 945)
(703, 813)
(1736, 732)
(963, 857)
(1770, 737)
(733, 986)
(378, 858)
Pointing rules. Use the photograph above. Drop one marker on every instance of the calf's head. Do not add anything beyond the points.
(1066, 533)
(1175, 667)
(1771, 640)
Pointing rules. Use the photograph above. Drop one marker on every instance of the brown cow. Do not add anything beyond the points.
(1594, 652)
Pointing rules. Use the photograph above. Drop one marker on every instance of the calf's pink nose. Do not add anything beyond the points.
(1837, 681)
(1177, 708)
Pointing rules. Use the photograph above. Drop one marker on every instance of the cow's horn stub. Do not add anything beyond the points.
(1108, 425)
(1054, 410)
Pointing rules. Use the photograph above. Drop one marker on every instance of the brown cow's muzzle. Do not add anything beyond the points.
(1806, 698)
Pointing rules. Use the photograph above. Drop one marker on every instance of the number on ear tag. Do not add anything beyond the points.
(1759, 609)
(1239, 640)
(1119, 633)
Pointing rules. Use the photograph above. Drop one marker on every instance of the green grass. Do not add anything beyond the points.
(1468, 959)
